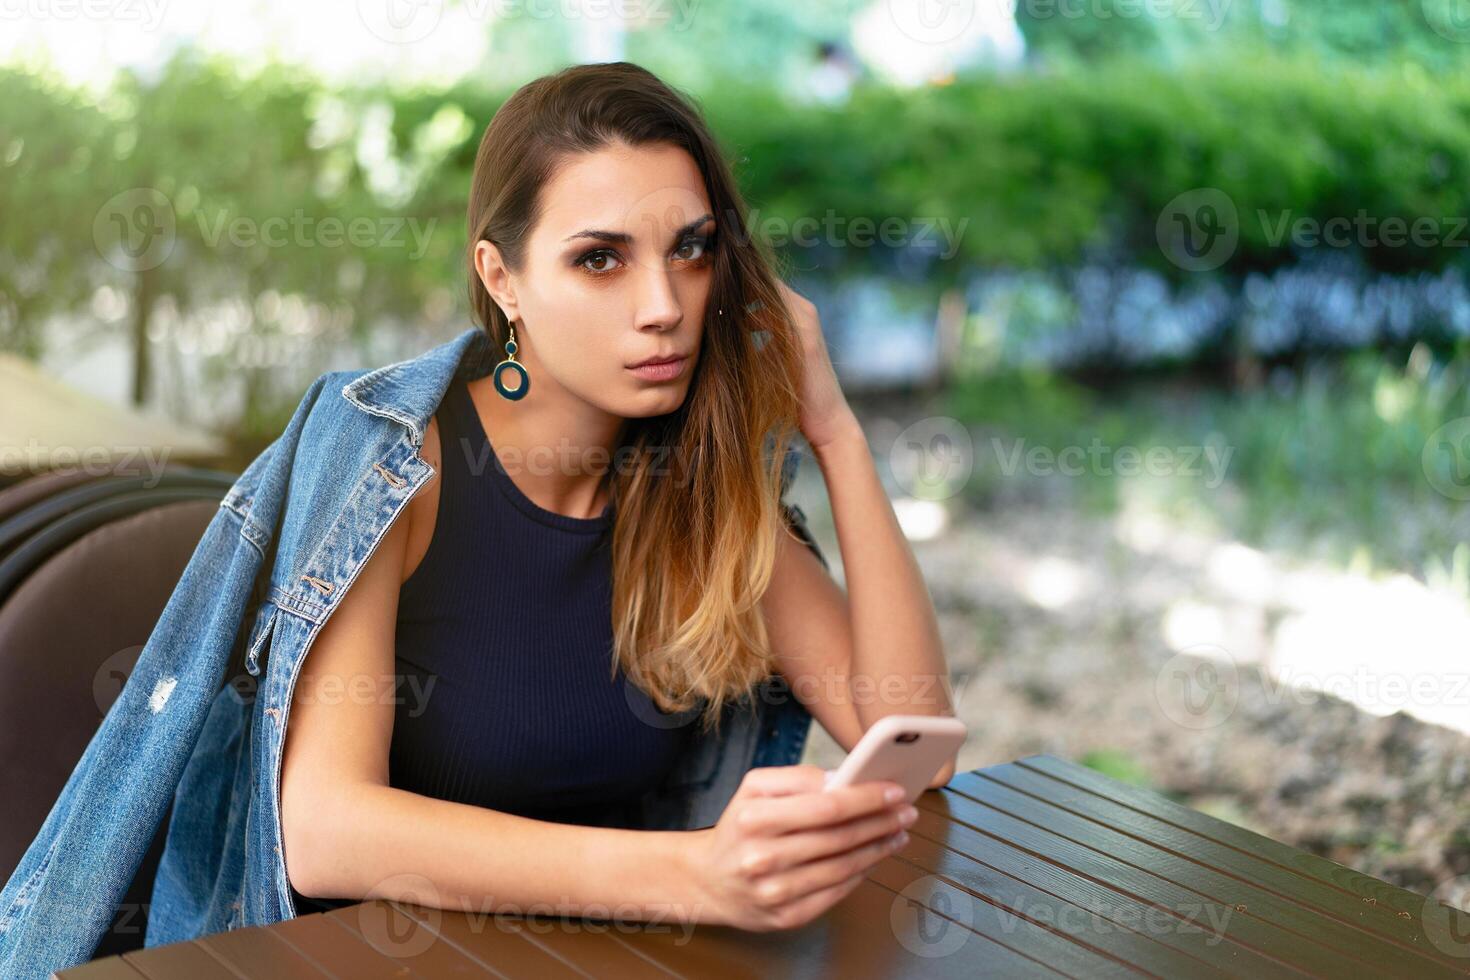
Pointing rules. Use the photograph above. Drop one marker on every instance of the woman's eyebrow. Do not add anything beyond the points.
(623, 238)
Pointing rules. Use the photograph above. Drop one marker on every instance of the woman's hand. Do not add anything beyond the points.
(785, 850)
(825, 414)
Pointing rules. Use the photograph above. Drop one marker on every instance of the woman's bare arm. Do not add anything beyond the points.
(875, 650)
(854, 660)
(348, 834)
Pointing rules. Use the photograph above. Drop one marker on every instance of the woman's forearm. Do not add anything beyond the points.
(898, 663)
(382, 842)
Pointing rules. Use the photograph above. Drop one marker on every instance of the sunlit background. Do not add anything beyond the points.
(1155, 312)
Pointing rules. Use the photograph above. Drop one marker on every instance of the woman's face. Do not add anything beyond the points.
(617, 271)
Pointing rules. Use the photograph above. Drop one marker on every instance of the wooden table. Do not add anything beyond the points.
(1035, 868)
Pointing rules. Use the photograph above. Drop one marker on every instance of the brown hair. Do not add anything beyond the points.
(694, 543)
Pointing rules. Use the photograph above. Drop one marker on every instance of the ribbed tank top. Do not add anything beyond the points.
(505, 697)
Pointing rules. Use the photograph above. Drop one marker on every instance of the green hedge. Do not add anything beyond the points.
(1046, 169)
(1050, 168)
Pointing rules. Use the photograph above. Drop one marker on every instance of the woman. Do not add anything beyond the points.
(612, 472)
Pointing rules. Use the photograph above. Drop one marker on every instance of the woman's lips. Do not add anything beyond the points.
(665, 371)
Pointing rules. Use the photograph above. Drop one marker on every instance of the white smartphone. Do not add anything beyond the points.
(907, 749)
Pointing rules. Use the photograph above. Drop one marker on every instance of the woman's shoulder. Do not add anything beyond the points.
(422, 511)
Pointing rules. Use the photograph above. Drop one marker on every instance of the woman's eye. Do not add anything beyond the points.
(594, 257)
(698, 244)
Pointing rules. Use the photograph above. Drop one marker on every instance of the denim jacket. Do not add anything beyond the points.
(275, 560)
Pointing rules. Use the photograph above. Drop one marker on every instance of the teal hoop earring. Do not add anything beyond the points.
(511, 364)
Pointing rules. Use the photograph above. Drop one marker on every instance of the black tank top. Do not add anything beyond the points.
(505, 697)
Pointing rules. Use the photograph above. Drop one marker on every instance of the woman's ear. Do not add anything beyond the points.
(495, 277)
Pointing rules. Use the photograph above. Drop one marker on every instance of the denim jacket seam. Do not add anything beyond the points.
(263, 627)
(312, 612)
(21, 899)
(277, 751)
(236, 503)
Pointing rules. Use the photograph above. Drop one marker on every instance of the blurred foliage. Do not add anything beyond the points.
(51, 144)
(1426, 32)
(1119, 765)
(1049, 169)
(1328, 458)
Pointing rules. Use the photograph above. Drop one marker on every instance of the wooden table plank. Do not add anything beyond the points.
(258, 950)
(405, 940)
(1090, 912)
(953, 910)
(107, 968)
(1399, 929)
(179, 961)
(867, 934)
(1244, 897)
(1372, 891)
(328, 943)
(966, 855)
(590, 947)
(504, 942)
(1143, 884)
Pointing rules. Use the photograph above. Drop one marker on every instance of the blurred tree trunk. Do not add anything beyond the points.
(143, 297)
(949, 326)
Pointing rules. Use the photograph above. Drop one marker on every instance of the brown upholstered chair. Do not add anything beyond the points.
(79, 595)
(17, 496)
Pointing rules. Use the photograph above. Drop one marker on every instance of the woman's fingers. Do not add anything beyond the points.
(813, 904)
(790, 850)
(810, 810)
(782, 780)
(790, 885)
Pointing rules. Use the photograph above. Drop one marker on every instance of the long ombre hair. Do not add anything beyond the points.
(697, 515)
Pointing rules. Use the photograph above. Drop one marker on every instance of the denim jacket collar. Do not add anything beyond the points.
(409, 391)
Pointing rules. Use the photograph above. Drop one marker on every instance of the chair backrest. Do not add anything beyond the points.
(17, 496)
(88, 589)
(20, 526)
